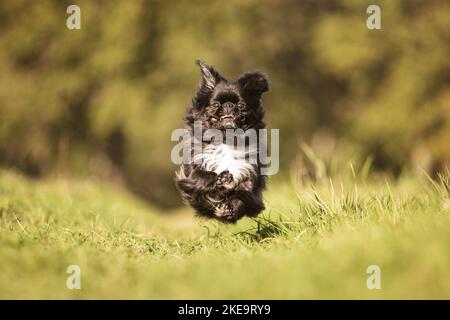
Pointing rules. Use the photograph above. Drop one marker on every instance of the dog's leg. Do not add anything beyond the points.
(198, 181)
(239, 204)
(244, 199)
(225, 180)
(205, 190)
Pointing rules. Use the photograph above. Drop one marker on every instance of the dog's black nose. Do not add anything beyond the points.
(228, 107)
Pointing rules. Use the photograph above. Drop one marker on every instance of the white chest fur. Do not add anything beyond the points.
(221, 157)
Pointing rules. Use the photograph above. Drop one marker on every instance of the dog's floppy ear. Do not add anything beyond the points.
(253, 83)
(210, 76)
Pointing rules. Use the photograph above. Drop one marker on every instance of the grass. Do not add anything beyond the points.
(314, 241)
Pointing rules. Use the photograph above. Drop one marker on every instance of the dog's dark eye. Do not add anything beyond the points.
(241, 105)
(215, 105)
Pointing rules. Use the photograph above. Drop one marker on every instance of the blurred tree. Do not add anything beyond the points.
(103, 100)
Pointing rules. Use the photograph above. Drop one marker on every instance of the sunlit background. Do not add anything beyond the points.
(101, 102)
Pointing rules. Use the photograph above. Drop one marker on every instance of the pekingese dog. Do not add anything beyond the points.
(224, 182)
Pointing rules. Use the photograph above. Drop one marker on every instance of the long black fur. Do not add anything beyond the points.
(213, 195)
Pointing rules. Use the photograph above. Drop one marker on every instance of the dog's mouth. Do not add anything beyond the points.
(226, 118)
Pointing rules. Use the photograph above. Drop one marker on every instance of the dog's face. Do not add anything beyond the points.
(221, 104)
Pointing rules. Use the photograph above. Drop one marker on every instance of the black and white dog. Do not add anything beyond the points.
(225, 185)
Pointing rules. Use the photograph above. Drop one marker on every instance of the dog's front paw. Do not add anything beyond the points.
(225, 213)
(229, 211)
(225, 180)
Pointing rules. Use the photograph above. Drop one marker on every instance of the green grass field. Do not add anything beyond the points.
(313, 241)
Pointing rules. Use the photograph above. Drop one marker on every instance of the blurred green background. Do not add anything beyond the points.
(102, 101)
